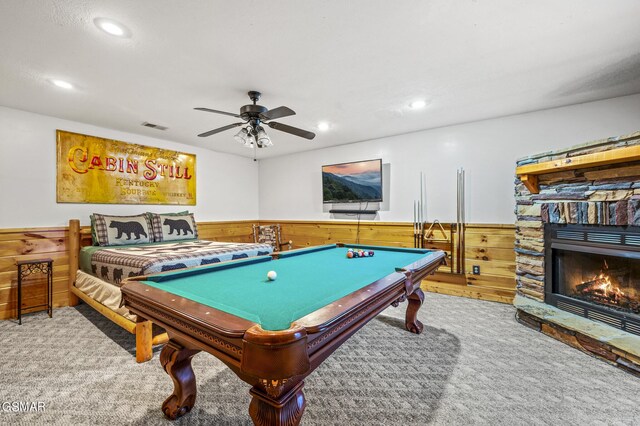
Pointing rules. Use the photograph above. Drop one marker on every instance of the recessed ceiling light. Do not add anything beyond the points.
(112, 27)
(61, 83)
(323, 126)
(417, 104)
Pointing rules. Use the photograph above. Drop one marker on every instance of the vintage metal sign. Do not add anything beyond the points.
(98, 170)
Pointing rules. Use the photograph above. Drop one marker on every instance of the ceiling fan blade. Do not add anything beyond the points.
(293, 130)
(220, 129)
(279, 112)
(218, 112)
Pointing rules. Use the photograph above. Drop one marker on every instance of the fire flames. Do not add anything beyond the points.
(601, 284)
(602, 290)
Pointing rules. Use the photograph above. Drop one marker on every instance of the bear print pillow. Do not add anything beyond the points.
(172, 227)
(122, 230)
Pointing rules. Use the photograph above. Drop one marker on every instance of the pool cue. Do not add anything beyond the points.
(458, 220)
(415, 241)
(415, 225)
(461, 219)
(463, 223)
(419, 225)
(415, 231)
(423, 203)
(421, 216)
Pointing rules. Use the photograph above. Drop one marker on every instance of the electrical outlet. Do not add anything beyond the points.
(476, 269)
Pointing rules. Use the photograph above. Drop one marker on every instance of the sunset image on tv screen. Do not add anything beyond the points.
(352, 182)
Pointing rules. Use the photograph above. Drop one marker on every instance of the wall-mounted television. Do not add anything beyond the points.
(354, 182)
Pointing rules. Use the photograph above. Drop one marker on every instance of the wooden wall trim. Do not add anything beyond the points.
(39, 229)
(488, 244)
(377, 222)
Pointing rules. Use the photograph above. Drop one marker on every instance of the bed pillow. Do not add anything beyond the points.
(94, 236)
(170, 214)
(174, 227)
(122, 230)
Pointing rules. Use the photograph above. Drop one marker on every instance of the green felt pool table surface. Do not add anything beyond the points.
(307, 280)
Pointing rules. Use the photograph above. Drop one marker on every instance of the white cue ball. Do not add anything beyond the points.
(272, 275)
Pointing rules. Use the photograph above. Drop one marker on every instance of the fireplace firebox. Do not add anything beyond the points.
(594, 271)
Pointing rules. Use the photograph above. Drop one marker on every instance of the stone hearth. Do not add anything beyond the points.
(592, 193)
(614, 346)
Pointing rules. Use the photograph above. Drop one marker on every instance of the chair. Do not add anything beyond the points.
(270, 234)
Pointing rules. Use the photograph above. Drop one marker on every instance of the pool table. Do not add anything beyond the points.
(272, 334)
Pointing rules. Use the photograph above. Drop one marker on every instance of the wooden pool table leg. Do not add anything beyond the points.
(275, 404)
(176, 361)
(415, 302)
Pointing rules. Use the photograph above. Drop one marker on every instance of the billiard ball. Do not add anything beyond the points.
(272, 275)
(365, 254)
(370, 252)
(349, 254)
(355, 254)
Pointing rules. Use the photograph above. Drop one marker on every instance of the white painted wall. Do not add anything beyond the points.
(291, 186)
(226, 184)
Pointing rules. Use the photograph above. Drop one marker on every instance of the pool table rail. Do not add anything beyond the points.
(138, 293)
(410, 275)
(212, 330)
(340, 320)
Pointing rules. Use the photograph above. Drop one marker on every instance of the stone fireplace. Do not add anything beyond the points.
(578, 247)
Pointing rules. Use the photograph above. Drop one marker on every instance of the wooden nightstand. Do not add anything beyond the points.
(28, 267)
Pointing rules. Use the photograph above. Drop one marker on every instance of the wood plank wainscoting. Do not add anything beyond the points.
(34, 243)
(27, 244)
(489, 246)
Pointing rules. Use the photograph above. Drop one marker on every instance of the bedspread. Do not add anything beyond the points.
(115, 264)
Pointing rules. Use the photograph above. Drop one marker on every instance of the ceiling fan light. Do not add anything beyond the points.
(254, 117)
(266, 142)
(249, 142)
(241, 136)
(263, 138)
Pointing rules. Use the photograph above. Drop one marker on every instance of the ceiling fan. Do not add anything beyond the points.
(255, 115)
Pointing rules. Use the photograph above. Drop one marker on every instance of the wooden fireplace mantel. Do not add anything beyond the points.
(529, 173)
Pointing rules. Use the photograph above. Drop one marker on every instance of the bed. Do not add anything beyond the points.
(96, 273)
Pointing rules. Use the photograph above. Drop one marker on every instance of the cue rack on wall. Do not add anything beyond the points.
(426, 234)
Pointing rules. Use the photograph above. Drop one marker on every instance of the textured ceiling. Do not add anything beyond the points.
(356, 64)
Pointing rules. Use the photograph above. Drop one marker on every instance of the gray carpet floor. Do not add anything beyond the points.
(474, 364)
